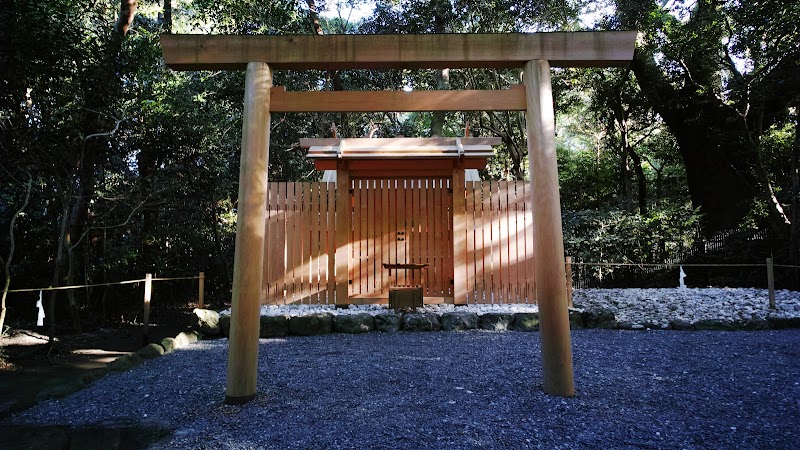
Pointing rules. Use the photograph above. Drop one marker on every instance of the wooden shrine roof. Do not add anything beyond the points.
(400, 154)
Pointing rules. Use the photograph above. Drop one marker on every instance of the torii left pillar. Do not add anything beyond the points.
(248, 260)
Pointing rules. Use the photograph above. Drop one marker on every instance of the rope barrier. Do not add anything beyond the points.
(680, 265)
(60, 288)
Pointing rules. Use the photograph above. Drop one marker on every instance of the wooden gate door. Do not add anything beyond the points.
(401, 221)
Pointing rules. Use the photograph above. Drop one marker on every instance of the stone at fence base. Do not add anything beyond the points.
(715, 325)
(576, 320)
(421, 322)
(93, 375)
(783, 323)
(389, 323)
(207, 321)
(273, 326)
(184, 339)
(225, 325)
(353, 323)
(168, 344)
(311, 325)
(755, 324)
(681, 325)
(526, 322)
(125, 362)
(151, 351)
(651, 325)
(459, 321)
(498, 321)
(600, 318)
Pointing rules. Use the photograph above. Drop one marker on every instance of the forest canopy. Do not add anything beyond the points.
(111, 165)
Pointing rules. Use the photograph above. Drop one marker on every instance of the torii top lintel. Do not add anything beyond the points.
(392, 51)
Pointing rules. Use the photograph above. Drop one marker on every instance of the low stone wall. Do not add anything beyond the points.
(391, 322)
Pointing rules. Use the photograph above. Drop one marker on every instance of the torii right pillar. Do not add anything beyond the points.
(548, 237)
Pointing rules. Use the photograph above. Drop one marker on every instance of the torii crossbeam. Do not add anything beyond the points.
(534, 52)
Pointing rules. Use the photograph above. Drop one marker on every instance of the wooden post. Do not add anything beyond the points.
(771, 283)
(547, 233)
(148, 291)
(344, 211)
(201, 291)
(569, 280)
(459, 237)
(248, 258)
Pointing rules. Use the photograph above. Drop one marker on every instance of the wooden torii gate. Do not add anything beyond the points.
(260, 55)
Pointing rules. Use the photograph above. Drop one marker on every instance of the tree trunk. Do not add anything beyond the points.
(640, 180)
(101, 89)
(147, 248)
(717, 167)
(51, 306)
(11, 248)
(74, 309)
(167, 25)
(437, 119)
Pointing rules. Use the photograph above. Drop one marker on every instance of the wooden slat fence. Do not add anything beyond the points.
(398, 221)
(299, 241)
(499, 242)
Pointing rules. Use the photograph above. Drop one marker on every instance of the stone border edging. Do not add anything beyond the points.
(392, 321)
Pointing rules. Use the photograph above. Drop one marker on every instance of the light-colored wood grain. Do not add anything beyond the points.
(459, 247)
(407, 216)
(513, 259)
(400, 101)
(399, 144)
(558, 378)
(422, 240)
(305, 248)
(505, 243)
(375, 242)
(392, 231)
(282, 240)
(438, 234)
(469, 213)
(343, 212)
(331, 236)
(447, 239)
(363, 238)
(530, 258)
(248, 258)
(269, 266)
(316, 202)
(496, 241)
(293, 192)
(486, 242)
(334, 52)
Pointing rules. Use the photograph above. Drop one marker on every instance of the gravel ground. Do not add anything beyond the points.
(473, 389)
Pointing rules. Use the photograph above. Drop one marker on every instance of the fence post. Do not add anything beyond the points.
(771, 283)
(569, 280)
(201, 290)
(148, 290)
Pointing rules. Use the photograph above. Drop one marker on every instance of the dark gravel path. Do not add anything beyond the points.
(466, 390)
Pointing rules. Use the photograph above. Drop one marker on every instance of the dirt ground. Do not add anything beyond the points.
(32, 371)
